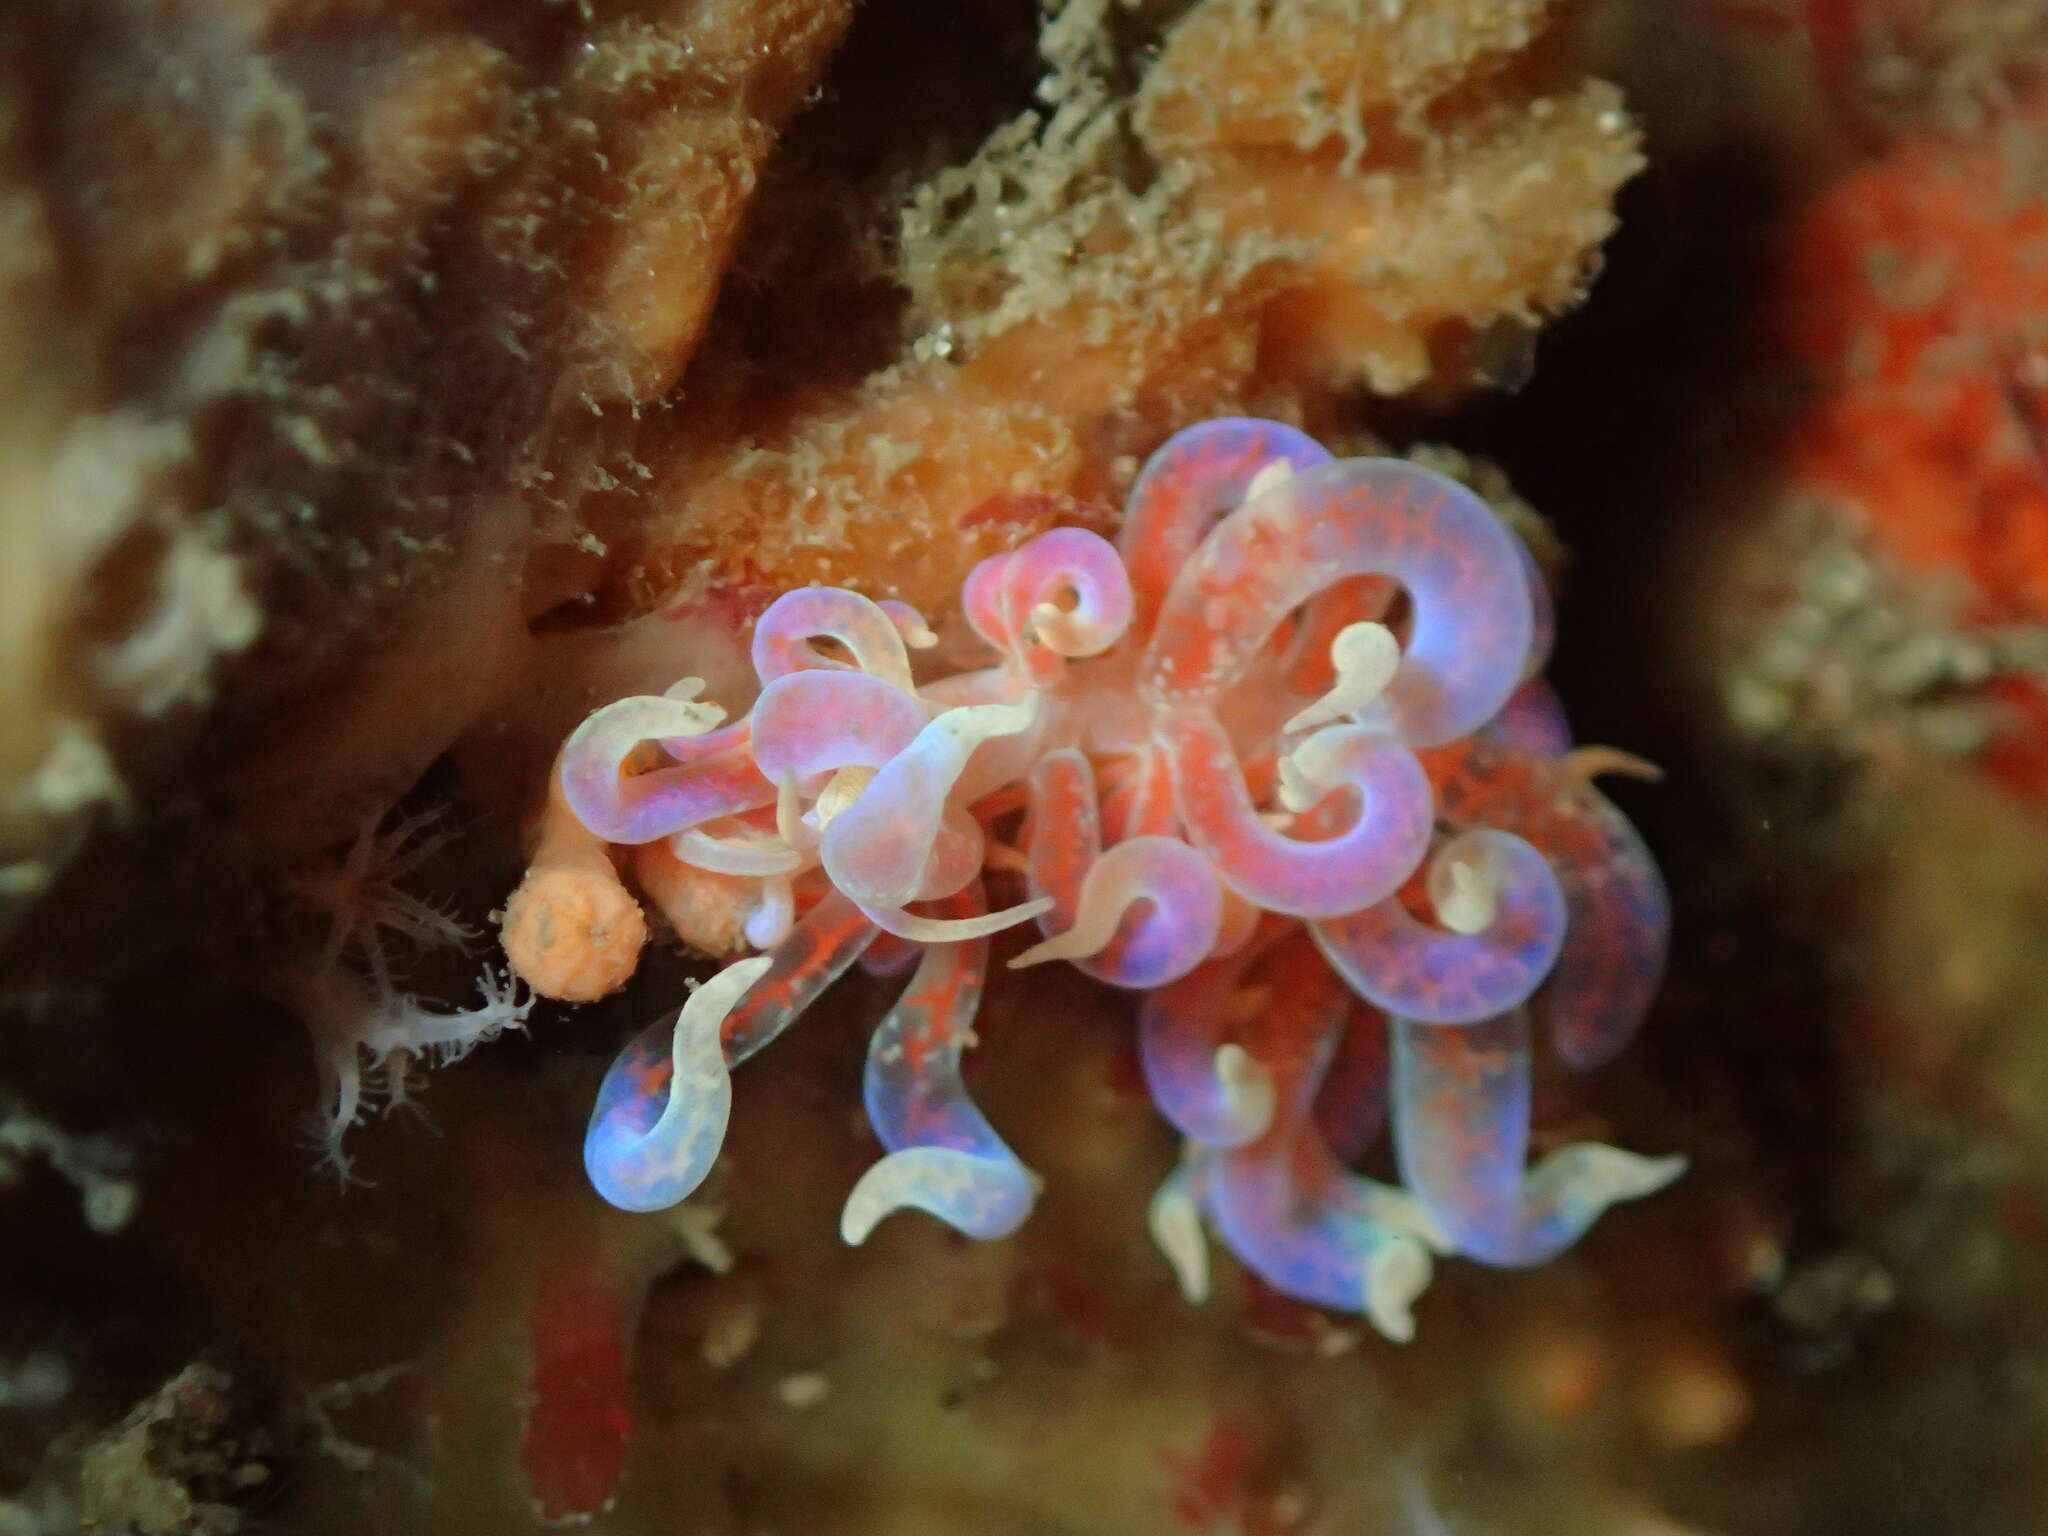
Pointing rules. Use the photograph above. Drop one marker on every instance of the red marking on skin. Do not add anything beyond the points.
(651, 1078)
(574, 1451)
(917, 1046)
(1473, 1065)
(807, 953)
(1152, 812)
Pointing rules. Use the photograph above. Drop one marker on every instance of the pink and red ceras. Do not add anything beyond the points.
(1296, 705)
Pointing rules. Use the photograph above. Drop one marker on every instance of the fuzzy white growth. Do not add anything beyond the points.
(98, 1166)
(361, 899)
(409, 1027)
(1365, 656)
(201, 610)
(345, 993)
(360, 1026)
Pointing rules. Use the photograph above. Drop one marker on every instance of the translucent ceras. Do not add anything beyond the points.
(1280, 759)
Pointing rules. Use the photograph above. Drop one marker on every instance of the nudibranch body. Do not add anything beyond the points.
(1280, 758)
